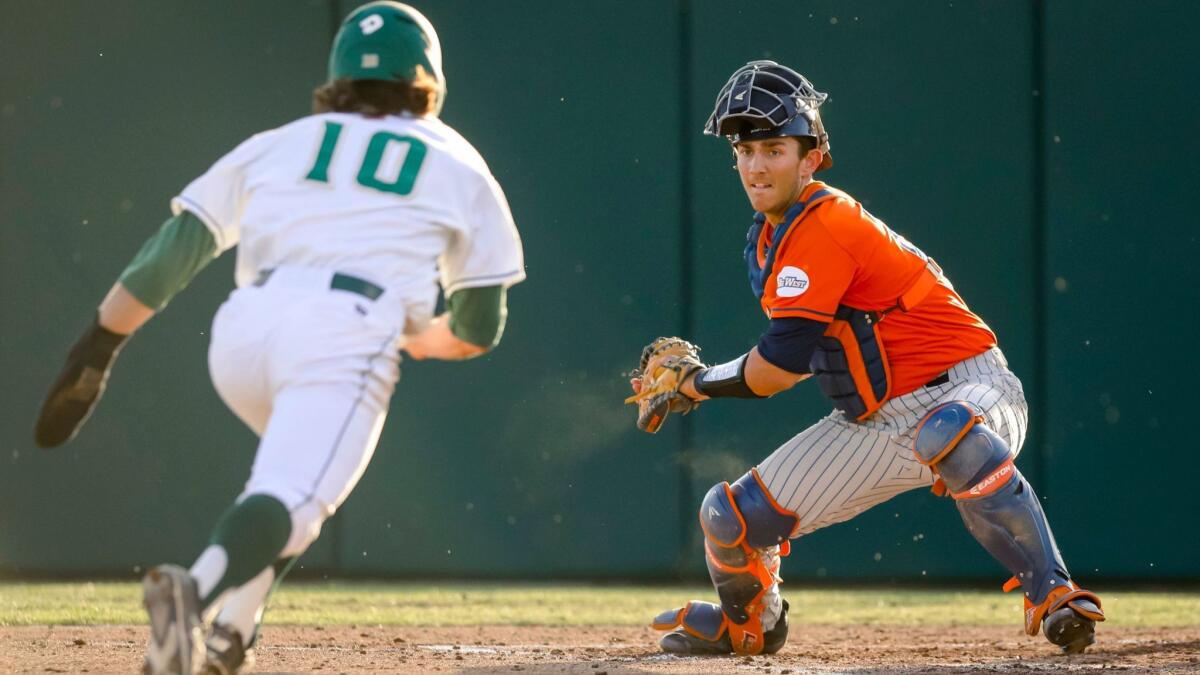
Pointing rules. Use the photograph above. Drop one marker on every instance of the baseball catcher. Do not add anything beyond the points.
(922, 394)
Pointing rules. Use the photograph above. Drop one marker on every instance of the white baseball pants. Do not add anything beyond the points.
(311, 370)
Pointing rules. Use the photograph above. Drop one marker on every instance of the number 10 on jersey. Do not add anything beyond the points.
(377, 148)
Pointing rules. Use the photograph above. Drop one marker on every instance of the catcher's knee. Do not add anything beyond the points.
(996, 503)
(745, 512)
(972, 460)
(745, 533)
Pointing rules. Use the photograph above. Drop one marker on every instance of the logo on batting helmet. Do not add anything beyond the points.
(764, 99)
(386, 40)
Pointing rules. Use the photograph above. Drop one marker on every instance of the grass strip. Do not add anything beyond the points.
(523, 604)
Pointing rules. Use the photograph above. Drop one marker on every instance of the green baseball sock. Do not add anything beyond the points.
(247, 539)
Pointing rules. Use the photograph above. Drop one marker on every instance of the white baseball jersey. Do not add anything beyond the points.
(398, 201)
(393, 200)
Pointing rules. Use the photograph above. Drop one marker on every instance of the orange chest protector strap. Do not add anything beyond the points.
(850, 362)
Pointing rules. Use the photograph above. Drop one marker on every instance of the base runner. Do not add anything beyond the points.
(346, 222)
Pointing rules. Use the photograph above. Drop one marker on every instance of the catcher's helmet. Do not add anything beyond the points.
(386, 40)
(763, 99)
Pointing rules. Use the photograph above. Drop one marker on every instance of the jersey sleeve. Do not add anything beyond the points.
(810, 275)
(487, 251)
(789, 343)
(169, 260)
(217, 197)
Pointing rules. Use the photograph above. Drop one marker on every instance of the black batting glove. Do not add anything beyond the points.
(79, 386)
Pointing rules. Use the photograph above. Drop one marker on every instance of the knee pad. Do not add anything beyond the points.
(701, 619)
(996, 503)
(967, 456)
(745, 534)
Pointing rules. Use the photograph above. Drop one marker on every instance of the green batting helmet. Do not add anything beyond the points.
(387, 41)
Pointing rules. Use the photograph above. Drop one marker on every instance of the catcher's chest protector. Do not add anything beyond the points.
(850, 362)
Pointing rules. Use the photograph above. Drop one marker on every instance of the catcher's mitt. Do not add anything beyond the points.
(664, 366)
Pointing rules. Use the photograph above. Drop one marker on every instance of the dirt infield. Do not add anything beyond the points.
(600, 650)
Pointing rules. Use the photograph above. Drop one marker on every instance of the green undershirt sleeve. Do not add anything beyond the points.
(169, 260)
(477, 315)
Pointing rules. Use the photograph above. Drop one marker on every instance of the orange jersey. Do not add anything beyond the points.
(835, 253)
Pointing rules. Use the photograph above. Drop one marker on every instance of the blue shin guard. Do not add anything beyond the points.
(1002, 512)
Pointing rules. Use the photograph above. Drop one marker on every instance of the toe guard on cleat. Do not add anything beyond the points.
(1067, 616)
(696, 628)
(1084, 603)
(703, 620)
(1088, 605)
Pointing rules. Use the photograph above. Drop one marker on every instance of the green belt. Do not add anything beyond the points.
(339, 282)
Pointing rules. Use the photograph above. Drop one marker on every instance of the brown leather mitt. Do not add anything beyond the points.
(664, 366)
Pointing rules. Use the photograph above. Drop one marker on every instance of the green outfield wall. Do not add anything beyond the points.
(1042, 152)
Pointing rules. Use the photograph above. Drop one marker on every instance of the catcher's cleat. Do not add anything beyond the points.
(1067, 617)
(683, 643)
(701, 629)
(1070, 630)
(176, 631)
(226, 654)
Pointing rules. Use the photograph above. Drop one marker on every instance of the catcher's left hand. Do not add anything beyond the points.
(78, 387)
(665, 364)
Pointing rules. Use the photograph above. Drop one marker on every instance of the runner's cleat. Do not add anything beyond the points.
(176, 632)
(226, 653)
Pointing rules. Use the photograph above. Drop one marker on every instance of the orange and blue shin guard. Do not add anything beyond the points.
(1003, 513)
(746, 532)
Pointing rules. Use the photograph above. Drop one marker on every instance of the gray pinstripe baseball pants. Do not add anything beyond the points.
(835, 470)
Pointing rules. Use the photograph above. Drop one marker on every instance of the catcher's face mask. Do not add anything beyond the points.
(763, 99)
